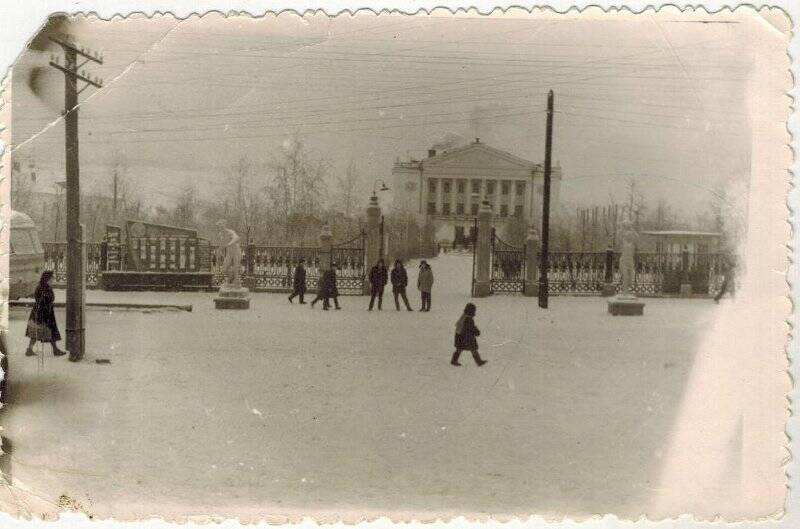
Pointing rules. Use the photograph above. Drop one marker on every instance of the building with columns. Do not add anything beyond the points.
(448, 187)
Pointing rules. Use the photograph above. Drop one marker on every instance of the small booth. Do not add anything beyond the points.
(146, 256)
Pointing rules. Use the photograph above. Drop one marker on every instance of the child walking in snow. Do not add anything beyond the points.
(466, 331)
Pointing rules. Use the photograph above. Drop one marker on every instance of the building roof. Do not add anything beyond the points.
(682, 233)
(444, 156)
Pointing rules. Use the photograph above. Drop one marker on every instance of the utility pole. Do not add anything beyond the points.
(115, 194)
(545, 253)
(73, 74)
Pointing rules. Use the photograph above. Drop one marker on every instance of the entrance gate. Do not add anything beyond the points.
(507, 265)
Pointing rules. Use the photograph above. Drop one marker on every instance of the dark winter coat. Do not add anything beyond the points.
(324, 286)
(299, 282)
(378, 276)
(334, 289)
(399, 279)
(42, 313)
(466, 331)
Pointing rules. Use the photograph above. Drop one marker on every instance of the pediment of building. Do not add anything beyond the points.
(479, 159)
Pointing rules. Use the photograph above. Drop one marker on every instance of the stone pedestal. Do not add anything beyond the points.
(625, 305)
(609, 289)
(686, 290)
(231, 297)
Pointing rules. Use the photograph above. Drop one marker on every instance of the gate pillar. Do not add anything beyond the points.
(483, 285)
(532, 263)
(325, 248)
(374, 236)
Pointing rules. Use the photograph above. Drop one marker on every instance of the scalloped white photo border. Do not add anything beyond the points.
(20, 19)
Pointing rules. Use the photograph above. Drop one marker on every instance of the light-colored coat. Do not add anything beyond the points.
(425, 280)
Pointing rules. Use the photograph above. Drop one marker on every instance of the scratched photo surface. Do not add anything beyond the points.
(417, 266)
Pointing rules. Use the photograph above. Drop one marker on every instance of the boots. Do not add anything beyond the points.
(454, 359)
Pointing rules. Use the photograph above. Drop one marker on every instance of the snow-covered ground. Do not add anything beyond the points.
(285, 407)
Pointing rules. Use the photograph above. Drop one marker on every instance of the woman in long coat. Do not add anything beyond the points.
(42, 326)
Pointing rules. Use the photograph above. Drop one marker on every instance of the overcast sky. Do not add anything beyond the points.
(657, 97)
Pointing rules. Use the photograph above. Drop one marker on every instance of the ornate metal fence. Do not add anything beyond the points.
(55, 259)
(264, 268)
(657, 274)
(507, 267)
(271, 268)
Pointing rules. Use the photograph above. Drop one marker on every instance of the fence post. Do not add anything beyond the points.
(374, 237)
(483, 285)
(325, 248)
(686, 285)
(608, 285)
(532, 263)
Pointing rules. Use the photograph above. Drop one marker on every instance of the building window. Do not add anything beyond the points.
(504, 210)
(447, 188)
(518, 211)
(431, 208)
(432, 185)
(459, 209)
(461, 186)
(446, 208)
(474, 208)
(490, 187)
(476, 186)
(520, 188)
(505, 187)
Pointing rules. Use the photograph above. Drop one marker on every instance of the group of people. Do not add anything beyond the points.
(379, 277)
(326, 288)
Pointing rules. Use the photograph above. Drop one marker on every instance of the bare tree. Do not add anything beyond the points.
(347, 190)
(186, 208)
(297, 188)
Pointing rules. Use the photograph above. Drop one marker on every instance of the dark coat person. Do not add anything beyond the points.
(334, 288)
(42, 325)
(399, 279)
(324, 290)
(299, 282)
(466, 336)
(378, 277)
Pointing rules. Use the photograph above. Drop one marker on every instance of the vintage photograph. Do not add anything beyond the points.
(551, 249)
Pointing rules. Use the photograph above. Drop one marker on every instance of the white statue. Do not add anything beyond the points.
(232, 261)
(627, 265)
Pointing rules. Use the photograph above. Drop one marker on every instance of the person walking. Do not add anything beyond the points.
(299, 282)
(334, 289)
(323, 290)
(42, 326)
(466, 333)
(378, 277)
(399, 279)
(425, 285)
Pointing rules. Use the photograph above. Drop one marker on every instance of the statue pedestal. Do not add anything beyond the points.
(231, 297)
(625, 305)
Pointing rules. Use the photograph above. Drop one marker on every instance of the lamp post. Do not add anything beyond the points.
(374, 200)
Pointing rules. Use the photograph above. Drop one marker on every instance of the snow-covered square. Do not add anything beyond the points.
(286, 407)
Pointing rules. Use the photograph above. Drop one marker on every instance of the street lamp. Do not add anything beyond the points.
(374, 203)
(375, 189)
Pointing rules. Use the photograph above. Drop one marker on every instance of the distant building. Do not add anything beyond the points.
(675, 241)
(447, 188)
